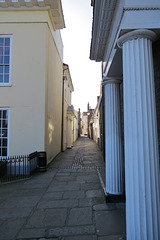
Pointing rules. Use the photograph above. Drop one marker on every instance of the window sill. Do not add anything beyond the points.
(5, 85)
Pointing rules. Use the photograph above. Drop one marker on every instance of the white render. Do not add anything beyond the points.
(141, 143)
(113, 142)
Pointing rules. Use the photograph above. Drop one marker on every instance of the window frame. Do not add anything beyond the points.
(8, 127)
(10, 60)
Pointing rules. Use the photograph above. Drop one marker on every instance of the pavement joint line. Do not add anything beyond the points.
(78, 167)
(101, 181)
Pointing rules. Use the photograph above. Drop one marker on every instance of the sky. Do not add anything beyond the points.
(76, 37)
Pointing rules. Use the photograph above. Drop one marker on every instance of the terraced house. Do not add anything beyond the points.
(31, 75)
(126, 39)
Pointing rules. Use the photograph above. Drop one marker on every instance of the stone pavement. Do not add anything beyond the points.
(64, 203)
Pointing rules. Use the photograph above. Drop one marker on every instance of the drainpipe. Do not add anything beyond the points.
(62, 113)
(62, 108)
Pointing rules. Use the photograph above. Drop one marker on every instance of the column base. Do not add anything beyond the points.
(112, 198)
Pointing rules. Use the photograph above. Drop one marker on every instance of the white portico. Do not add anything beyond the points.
(122, 38)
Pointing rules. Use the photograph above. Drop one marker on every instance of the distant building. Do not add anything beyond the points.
(75, 126)
(84, 124)
(86, 117)
(90, 121)
(67, 109)
(79, 123)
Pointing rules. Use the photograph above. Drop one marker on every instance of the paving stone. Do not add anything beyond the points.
(112, 237)
(52, 196)
(65, 178)
(62, 187)
(90, 186)
(87, 237)
(94, 193)
(101, 207)
(89, 179)
(31, 233)
(36, 185)
(69, 231)
(47, 218)
(63, 174)
(80, 216)
(110, 222)
(68, 203)
(84, 202)
(74, 194)
(20, 202)
(14, 212)
(30, 192)
(9, 228)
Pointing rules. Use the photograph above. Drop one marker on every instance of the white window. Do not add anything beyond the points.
(5, 60)
(4, 134)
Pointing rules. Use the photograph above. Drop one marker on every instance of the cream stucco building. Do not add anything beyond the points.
(69, 117)
(31, 74)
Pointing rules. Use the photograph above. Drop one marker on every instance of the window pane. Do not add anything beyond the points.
(1, 69)
(4, 133)
(6, 60)
(4, 151)
(1, 60)
(6, 69)
(1, 50)
(0, 113)
(6, 78)
(5, 114)
(1, 41)
(4, 124)
(4, 142)
(6, 50)
(7, 41)
(1, 78)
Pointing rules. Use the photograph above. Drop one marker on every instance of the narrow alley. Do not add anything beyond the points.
(65, 203)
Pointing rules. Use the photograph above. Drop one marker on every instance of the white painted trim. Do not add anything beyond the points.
(8, 128)
(10, 60)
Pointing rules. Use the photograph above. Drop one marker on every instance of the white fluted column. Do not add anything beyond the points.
(141, 142)
(113, 138)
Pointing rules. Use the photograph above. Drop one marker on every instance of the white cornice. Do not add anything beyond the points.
(103, 12)
(53, 6)
(141, 8)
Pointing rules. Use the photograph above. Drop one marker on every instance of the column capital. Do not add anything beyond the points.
(111, 80)
(136, 34)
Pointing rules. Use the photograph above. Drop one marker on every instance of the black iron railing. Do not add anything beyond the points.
(17, 167)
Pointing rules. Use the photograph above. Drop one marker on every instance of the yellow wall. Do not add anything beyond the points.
(34, 97)
(25, 97)
(53, 98)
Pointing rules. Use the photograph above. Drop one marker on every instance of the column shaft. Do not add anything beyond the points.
(141, 142)
(113, 139)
